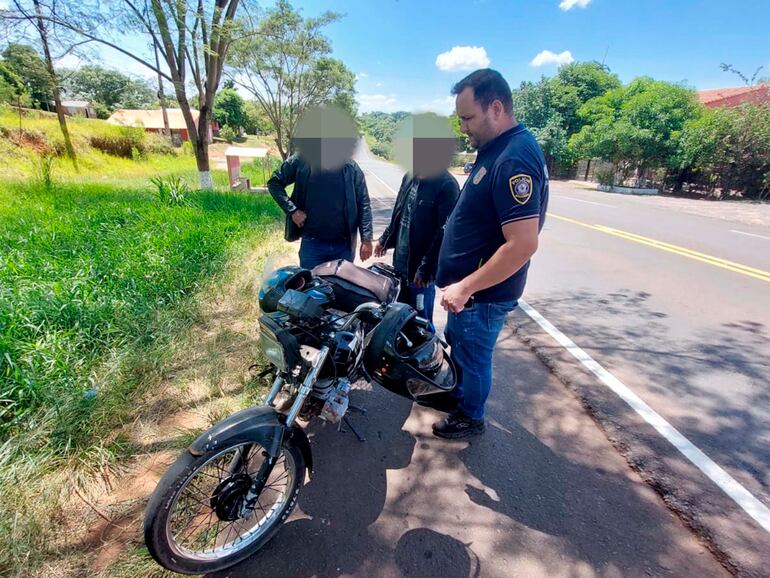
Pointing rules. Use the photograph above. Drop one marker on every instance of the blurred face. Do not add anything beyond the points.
(480, 126)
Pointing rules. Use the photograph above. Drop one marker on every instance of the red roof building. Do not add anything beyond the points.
(729, 97)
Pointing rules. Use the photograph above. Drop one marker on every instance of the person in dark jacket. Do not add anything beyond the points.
(330, 204)
(424, 144)
(415, 233)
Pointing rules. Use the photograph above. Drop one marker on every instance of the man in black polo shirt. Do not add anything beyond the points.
(489, 239)
(330, 202)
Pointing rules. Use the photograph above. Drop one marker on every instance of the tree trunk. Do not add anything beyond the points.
(202, 151)
(198, 138)
(161, 95)
(70, 150)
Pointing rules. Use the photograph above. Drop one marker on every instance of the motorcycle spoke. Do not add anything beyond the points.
(194, 525)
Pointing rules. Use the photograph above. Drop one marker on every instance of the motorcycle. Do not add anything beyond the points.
(231, 490)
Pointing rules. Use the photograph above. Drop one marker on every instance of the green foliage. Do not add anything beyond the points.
(729, 146)
(463, 143)
(256, 121)
(638, 123)
(84, 273)
(229, 109)
(605, 176)
(125, 142)
(286, 64)
(227, 133)
(575, 84)
(380, 128)
(549, 107)
(11, 86)
(172, 191)
(107, 89)
(44, 166)
(27, 65)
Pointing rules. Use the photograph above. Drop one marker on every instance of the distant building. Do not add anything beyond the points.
(729, 97)
(78, 108)
(152, 121)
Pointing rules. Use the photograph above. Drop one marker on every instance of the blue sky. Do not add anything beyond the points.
(394, 46)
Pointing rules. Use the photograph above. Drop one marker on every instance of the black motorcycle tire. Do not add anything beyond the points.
(174, 481)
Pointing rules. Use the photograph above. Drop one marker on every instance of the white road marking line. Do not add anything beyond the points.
(371, 172)
(582, 201)
(750, 234)
(740, 495)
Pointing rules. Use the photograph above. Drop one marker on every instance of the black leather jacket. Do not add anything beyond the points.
(295, 170)
(435, 200)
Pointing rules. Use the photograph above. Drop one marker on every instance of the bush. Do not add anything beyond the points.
(121, 143)
(381, 150)
(605, 176)
(227, 133)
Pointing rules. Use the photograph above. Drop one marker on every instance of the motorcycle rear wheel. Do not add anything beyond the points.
(185, 527)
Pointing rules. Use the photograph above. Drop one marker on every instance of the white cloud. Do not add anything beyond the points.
(361, 75)
(548, 57)
(570, 4)
(379, 84)
(463, 58)
(380, 102)
(443, 106)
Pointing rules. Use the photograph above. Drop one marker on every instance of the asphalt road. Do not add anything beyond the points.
(543, 493)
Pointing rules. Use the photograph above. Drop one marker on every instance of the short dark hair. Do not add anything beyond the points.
(488, 85)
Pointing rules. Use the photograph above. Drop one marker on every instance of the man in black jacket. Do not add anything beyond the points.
(330, 204)
(415, 231)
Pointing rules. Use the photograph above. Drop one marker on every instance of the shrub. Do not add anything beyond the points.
(227, 133)
(121, 143)
(605, 176)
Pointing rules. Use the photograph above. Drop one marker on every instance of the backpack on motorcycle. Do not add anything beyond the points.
(355, 285)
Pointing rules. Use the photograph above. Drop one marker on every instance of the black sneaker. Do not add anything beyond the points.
(456, 426)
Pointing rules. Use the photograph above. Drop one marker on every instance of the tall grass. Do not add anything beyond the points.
(94, 279)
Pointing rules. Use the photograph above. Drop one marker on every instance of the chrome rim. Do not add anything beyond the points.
(195, 531)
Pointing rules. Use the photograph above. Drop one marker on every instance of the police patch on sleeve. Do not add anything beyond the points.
(521, 188)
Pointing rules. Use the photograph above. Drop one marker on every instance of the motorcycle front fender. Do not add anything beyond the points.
(260, 424)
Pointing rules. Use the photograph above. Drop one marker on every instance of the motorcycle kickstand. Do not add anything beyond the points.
(346, 421)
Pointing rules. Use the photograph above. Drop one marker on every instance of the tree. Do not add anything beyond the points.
(533, 104)
(285, 65)
(636, 126)
(193, 40)
(229, 109)
(108, 89)
(729, 148)
(39, 15)
(256, 121)
(11, 86)
(549, 107)
(575, 84)
(463, 143)
(25, 63)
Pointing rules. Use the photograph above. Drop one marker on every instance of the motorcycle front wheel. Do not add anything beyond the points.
(195, 522)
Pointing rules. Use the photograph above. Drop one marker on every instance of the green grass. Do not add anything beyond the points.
(98, 279)
(84, 272)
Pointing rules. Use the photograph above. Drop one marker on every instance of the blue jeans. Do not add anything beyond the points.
(472, 334)
(410, 294)
(314, 251)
